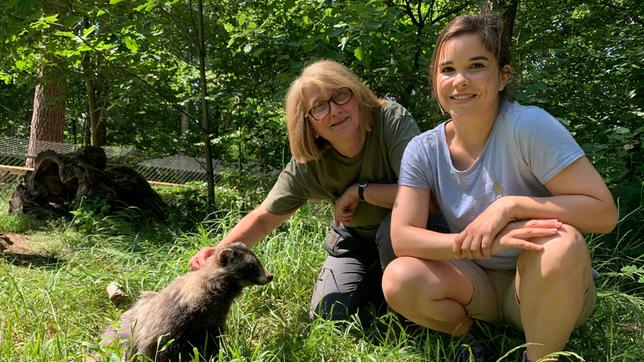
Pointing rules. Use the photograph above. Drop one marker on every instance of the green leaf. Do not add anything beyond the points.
(89, 30)
(21, 64)
(100, 12)
(622, 130)
(68, 53)
(114, 2)
(241, 19)
(50, 19)
(358, 53)
(632, 269)
(6, 78)
(131, 44)
(67, 34)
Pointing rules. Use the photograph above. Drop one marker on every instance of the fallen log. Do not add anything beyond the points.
(58, 180)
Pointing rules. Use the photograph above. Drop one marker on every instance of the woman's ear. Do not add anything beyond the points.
(506, 73)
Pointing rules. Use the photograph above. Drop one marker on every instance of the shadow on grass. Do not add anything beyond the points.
(31, 260)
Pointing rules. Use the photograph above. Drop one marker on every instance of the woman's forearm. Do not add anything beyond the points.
(586, 213)
(382, 195)
(254, 226)
(422, 243)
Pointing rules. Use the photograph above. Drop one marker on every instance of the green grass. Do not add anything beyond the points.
(53, 306)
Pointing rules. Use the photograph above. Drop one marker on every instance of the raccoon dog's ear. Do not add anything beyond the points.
(226, 256)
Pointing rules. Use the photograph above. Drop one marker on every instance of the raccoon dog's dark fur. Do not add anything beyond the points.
(191, 311)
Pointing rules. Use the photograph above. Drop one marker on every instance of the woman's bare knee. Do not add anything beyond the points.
(398, 280)
(565, 256)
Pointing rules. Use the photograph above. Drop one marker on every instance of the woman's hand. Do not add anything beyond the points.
(475, 241)
(519, 234)
(198, 260)
(346, 204)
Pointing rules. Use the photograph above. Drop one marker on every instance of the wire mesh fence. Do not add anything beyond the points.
(174, 169)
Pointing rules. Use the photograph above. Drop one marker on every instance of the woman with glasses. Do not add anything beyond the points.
(346, 145)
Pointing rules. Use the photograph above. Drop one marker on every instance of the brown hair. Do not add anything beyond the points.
(325, 76)
(489, 28)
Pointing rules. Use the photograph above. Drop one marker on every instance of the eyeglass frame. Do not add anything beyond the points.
(328, 103)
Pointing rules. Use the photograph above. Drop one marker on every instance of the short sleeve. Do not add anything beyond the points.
(287, 195)
(545, 145)
(415, 167)
(400, 128)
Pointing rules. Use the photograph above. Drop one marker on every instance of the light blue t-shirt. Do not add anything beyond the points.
(526, 148)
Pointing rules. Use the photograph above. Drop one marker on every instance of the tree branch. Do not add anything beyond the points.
(449, 13)
(410, 13)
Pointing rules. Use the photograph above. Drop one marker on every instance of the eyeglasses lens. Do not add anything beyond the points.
(340, 97)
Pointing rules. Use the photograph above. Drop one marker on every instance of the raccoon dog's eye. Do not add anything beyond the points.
(248, 269)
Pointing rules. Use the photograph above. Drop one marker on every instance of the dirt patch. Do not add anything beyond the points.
(16, 249)
(14, 244)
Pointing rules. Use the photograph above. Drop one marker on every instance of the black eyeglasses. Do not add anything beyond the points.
(321, 109)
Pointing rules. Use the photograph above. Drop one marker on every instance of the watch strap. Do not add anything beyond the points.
(362, 186)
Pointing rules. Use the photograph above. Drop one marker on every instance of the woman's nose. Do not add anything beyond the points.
(461, 79)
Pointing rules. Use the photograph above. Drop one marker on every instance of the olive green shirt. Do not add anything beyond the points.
(331, 174)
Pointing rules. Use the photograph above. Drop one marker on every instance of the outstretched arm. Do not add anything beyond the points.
(249, 230)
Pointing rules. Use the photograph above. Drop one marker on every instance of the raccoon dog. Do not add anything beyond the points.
(191, 311)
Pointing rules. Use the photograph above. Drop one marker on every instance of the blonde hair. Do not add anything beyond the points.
(325, 76)
(488, 27)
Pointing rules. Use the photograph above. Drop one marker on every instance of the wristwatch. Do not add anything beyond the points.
(362, 186)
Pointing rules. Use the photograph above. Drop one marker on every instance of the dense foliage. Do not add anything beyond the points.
(579, 59)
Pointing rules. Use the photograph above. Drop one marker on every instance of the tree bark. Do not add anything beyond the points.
(48, 117)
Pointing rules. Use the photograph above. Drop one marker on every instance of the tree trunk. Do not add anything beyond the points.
(48, 117)
(99, 124)
(96, 89)
(97, 92)
(204, 111)
(508, 9)
(184, 125)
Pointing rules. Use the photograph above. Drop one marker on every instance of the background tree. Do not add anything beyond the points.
(48, 117)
